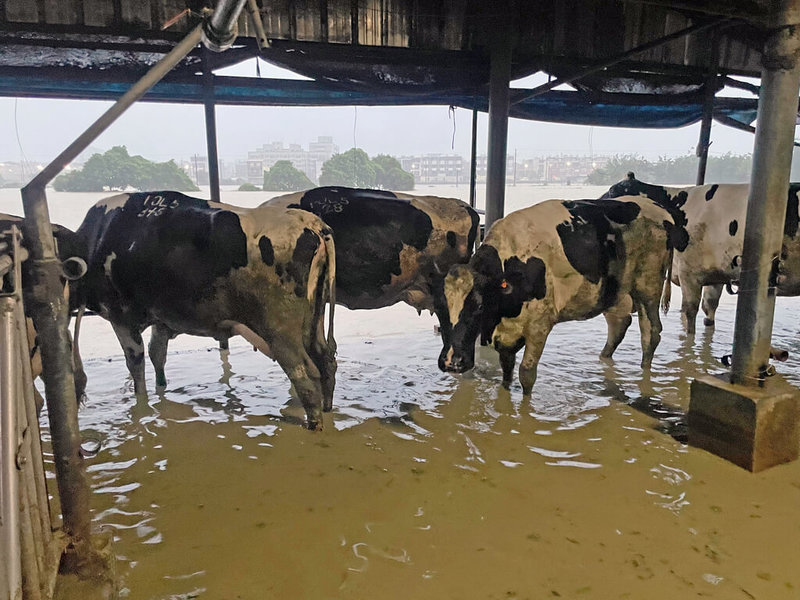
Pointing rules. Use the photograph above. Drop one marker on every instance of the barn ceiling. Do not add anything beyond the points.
(393, 51)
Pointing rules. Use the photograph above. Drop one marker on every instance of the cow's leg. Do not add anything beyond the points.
(530, 362)
(133, 347)
(690, 290)
(711, 296)
(508, 358)
(618, 319)
(302, 371)
(650, 329)
(160, 335)
(324, 355)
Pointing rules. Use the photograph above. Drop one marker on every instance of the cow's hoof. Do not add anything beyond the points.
(314, 425)
(708, 322)
(506, 384)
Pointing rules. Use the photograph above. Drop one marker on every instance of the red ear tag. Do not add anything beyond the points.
(504, 284)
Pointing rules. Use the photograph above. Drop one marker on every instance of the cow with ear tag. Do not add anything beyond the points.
(560, 260)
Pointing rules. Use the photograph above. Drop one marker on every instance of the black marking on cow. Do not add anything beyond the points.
(710, 193)
(267, 251)
(589, 240)
(169, 258)
(677, 237)
(451, 239)
(631, 186)
(473, 231)
(294, 205)
(527, 282)
(792, 222)
(279, 269)
(298, 269)
(371, 228)
(733, 227)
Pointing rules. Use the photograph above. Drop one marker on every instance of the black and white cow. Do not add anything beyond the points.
(392, 247)
(713, 217)
(560, 260)
(187, 265)
(72, 268)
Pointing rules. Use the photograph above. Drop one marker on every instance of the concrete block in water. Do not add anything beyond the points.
(753, 427)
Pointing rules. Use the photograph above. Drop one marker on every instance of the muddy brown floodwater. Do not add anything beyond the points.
(425, 485)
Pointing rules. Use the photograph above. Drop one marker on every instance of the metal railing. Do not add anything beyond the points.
(28, 543)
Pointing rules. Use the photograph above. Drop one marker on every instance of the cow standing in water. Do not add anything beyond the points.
(713, 217)
(187, 265)
(392, 247)
(560, 260)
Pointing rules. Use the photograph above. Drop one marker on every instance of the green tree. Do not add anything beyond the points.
(283, 177)
(680, 170)
(390, 174)
(618, 167)
(116, 169)
(352, 168)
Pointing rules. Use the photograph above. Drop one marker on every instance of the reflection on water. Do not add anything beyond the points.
(425, 485)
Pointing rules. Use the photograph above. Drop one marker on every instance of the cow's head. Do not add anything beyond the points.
(473, 293)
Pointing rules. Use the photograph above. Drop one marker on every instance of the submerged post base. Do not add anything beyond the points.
(753, 427)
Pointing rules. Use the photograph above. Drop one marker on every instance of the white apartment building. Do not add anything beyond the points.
(309, 161)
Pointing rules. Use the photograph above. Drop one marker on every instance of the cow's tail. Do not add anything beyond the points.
(330, 250)
(666, 292)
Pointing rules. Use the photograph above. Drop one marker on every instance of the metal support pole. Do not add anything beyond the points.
(499, 93)
(708, 111)
(211, 128)
(50, 316)
(766, 204)
(9, 478)
(473, 160)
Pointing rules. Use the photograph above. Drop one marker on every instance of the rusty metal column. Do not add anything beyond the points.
(211, 127)
(766, 204)
(708, 110)
(473, 160)
(499, 94)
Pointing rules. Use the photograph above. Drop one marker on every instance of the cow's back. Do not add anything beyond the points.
(389, 245)
(592, 250)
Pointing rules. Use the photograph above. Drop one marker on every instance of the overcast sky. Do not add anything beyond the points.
(39, 129)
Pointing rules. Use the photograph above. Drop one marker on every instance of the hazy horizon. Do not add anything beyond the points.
(37, 130)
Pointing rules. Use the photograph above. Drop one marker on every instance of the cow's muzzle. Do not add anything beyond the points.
(453, 362)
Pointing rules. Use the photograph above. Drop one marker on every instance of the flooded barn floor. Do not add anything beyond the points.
(426, 485)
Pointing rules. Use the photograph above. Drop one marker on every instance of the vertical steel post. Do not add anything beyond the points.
(50, 316)
(499, 94)
(9, 478)
(708, 111)
(766, 204)
(211, 127)
(473, 160)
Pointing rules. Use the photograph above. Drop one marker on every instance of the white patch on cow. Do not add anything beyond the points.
(107, 264)
(113, 202)
(457, 286)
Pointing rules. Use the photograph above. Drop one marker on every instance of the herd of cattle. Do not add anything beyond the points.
(183, 265)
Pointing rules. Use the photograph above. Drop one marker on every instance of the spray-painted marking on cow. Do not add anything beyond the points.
(155, 206)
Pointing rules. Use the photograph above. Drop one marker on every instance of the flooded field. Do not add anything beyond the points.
(425, 485)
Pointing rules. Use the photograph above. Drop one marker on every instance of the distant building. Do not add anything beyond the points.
(308, 161)
(436, 168)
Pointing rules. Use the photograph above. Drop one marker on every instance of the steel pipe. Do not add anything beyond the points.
(219, 31)
(766, 203)
(9, 478)
(499, 94)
